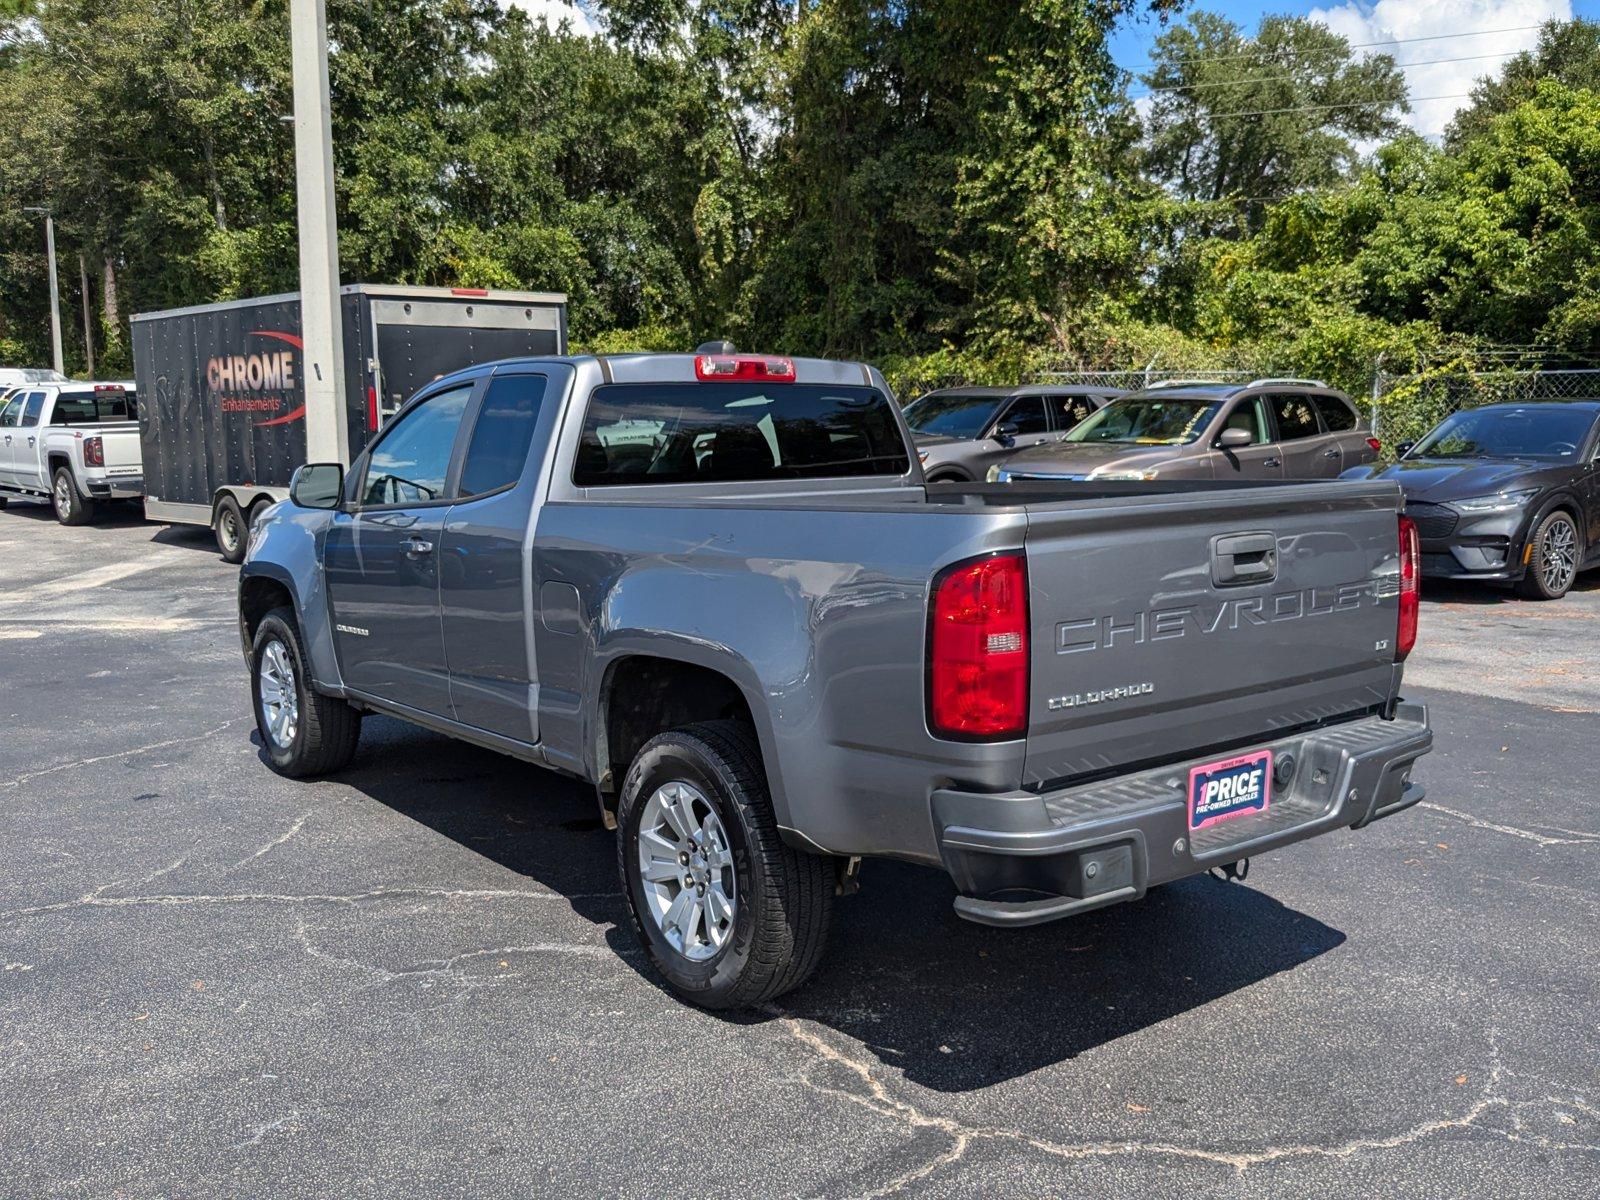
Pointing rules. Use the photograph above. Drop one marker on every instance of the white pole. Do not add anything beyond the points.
(55, 292)
(327, 435)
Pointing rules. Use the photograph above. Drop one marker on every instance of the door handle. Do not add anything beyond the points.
(33, 441)
(414, 546)
(8, 439)
(1330, 454)
(1271, 462)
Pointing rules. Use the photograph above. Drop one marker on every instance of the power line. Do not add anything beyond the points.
(1426, 62)
(1272, 112)
(1437, 37)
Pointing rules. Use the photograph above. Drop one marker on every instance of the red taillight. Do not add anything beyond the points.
(1375, 444)
(1410, 588)
(94, 452)
(469, 291)
(978, 650)
(372, 407)
(722, 368)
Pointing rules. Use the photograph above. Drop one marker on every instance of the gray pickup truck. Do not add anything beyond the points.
(715, 587)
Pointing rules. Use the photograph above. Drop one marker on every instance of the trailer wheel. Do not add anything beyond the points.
(231, 530)
(71, 508)
(256, 509)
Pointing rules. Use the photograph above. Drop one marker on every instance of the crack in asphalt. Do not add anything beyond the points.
(1581, 839)
(29, 776)
(299, 824)
(877, 1098)
(96, 899)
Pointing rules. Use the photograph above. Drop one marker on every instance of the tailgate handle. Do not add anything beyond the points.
(1241, 558)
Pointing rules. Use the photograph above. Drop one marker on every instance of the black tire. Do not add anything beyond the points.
(232, 533)
(784, 896)
(1557, 550)
(253, 517)
(326, 730)
(70, 506)
(949, 477)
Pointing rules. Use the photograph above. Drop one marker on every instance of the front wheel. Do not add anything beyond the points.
(1553, 565)
(729, 914)
(304, 732)
(71, 507)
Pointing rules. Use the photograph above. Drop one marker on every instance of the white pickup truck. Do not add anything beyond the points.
(73, 443)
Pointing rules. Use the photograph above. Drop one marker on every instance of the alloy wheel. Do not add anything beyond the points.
(686, 869)
(280, 699)
(1558, 555)
(63, 497)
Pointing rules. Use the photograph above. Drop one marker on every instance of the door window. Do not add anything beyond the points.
(502, 433)
(411, 462)
(1027, 415)
(1070, 410)
(1337, 416)
(1249, 414)
(32, 409)
(1297, 417)
(11, 414)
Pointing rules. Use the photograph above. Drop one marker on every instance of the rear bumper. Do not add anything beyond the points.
(1022, 858)
(118, 487)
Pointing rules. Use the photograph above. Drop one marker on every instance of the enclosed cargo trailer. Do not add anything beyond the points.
(223, 401)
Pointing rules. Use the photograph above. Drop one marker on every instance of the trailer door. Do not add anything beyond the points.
(417, 341)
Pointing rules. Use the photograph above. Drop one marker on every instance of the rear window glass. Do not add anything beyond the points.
(89, 408)
(722, 432)
(1296, 417)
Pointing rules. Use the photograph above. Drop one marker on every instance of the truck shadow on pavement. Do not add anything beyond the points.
(951, 1005)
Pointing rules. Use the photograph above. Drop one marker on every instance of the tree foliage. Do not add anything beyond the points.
(952, 188)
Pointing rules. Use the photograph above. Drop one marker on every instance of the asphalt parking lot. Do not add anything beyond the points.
(416, 978)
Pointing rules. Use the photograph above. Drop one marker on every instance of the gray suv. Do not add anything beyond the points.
(961, 432)
(1267, 429)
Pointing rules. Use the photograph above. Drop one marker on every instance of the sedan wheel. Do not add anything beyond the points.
(1553, 560)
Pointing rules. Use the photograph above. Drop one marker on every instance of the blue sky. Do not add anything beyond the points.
(1477, 35)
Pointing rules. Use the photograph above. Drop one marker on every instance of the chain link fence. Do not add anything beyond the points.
(1404, 407)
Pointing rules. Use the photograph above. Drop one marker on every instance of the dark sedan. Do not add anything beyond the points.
(1508, 493)
(960, 432)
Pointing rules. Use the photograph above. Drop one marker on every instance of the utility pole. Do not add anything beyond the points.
(55, 291)
(327, 435)
(88, 323)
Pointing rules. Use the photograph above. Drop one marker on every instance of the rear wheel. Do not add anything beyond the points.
(232, 532)
(303, 732)
(256, 509)
(730, 915)
(71, 507)
(1553, 565)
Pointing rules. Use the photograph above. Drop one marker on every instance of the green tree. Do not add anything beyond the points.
(1567, 52)
(1252, 120)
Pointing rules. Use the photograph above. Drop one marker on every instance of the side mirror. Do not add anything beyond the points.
(317, 485)
(1404, 448)
(1005, 433)
(1235, 439)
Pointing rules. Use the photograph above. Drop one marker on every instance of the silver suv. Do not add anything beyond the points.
(1266, 429)
(960, 432)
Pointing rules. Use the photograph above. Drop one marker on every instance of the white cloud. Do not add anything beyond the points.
(553, 12)
(1470, 27)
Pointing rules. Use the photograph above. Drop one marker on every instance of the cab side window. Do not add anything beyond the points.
(1026, 414)
(11, 414)
(32, 408)
(1249, 414)
(1297, 418)
(1337, 416)
(502, 433)
(410, 463)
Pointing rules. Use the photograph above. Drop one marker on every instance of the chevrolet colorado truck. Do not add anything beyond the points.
(75, 443)
(716, 587)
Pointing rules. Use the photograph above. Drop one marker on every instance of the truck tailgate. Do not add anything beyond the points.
(1167, 625)
(121, 444)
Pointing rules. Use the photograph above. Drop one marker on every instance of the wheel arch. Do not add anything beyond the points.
(643, 693)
